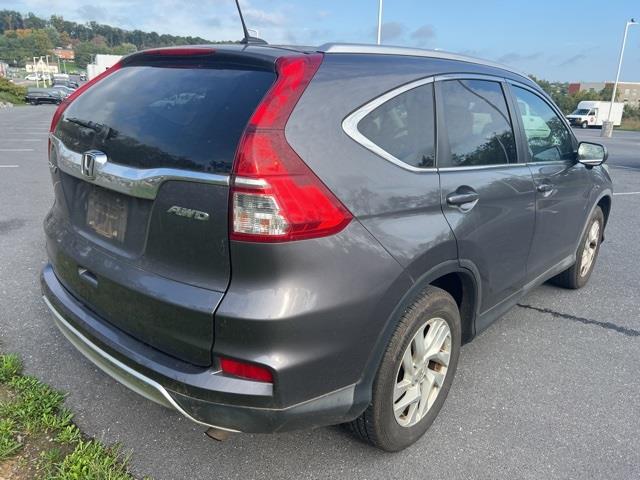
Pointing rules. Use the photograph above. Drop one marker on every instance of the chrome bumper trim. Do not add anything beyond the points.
(120, 372)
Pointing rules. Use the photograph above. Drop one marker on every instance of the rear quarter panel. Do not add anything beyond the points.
(400, 208)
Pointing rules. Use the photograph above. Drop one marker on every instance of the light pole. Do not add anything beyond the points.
(608, 131)
(48, 73)
(35, 71)
(379, 21)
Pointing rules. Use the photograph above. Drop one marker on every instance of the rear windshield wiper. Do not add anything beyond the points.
(86, 123)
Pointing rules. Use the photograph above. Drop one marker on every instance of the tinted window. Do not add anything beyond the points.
(147, 117)
(547, 136)
(477, 123)
(405, 127)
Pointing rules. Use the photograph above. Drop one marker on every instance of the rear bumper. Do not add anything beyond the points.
(203, 395)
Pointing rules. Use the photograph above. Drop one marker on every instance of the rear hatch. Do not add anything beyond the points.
(139, 233)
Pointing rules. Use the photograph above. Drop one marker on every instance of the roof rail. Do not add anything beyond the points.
(410, 51)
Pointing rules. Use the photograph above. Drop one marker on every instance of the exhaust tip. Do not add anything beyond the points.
(217, 434)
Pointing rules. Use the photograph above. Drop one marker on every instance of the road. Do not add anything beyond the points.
(550, 390)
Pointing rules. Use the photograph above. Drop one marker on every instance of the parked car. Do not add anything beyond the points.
(38, 77)
(272, 239)
(35, 96)
(65, 83)
(61, 77)
(63, 89)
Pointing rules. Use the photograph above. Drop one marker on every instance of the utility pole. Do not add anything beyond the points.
(48, 72)
(607, 129)
(35, 72)
(379, 21)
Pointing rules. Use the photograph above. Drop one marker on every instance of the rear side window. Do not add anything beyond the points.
(477, 123)
(151, 116)
(404, 127)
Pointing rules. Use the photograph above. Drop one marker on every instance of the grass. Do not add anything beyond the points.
(630, 124)
(10, 98)
(10, 92)
(38, 438)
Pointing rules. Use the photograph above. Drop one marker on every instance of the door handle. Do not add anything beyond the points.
(457, 198)
(544, 187)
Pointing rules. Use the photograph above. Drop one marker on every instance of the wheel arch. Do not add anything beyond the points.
(461, 283)
(604, 202)
(605, 205)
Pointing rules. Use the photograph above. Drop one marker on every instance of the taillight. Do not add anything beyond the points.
(67, 101)
(247, 370)
(275, 197)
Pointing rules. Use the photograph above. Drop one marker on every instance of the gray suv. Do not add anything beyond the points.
(268, 238)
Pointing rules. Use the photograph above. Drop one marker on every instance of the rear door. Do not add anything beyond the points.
(486, 195)
(563, 185)
(141, 161)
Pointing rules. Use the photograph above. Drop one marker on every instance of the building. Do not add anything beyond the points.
(628, 92)
(100, 64)
(40, 66)
(66, 54)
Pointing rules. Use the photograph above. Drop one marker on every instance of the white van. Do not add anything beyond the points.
(591, 113)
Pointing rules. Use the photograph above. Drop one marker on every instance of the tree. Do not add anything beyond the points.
(85, 51)
(10, 20)
(28, 36)
(65, 39)
(607, 91)
(124, 49)
(36, 23)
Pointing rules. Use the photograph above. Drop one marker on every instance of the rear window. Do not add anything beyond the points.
(150, 116)
(405, 127)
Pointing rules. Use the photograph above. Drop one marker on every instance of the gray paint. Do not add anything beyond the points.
(319, 312)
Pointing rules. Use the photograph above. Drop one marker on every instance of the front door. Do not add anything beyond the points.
(486, 195)
(562, 184)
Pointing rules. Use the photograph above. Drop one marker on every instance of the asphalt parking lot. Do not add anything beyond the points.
(551, 390)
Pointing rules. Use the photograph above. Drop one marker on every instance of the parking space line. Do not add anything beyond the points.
(626, 193)
(16, 150)
(9, 166)
(625, 167)
(23, 139)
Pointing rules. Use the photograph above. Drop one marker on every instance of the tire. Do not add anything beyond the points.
(577, 276)
(378, 425)
(584, 125)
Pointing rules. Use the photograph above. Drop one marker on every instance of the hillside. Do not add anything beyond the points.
(23, 37)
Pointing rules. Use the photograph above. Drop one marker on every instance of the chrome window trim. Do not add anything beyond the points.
(469, 76)
(481, 167)
(136, 182)
(350, 124)
(414, 52)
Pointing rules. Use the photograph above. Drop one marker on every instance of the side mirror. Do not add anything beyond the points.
(592, 154)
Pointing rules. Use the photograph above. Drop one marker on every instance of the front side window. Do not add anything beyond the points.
(404, 127)
(547, 136)
(477, 122)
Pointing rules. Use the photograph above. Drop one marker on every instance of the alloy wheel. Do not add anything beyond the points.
(422, 372)
(590, 248)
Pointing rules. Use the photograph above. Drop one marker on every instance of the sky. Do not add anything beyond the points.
(559, 40)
